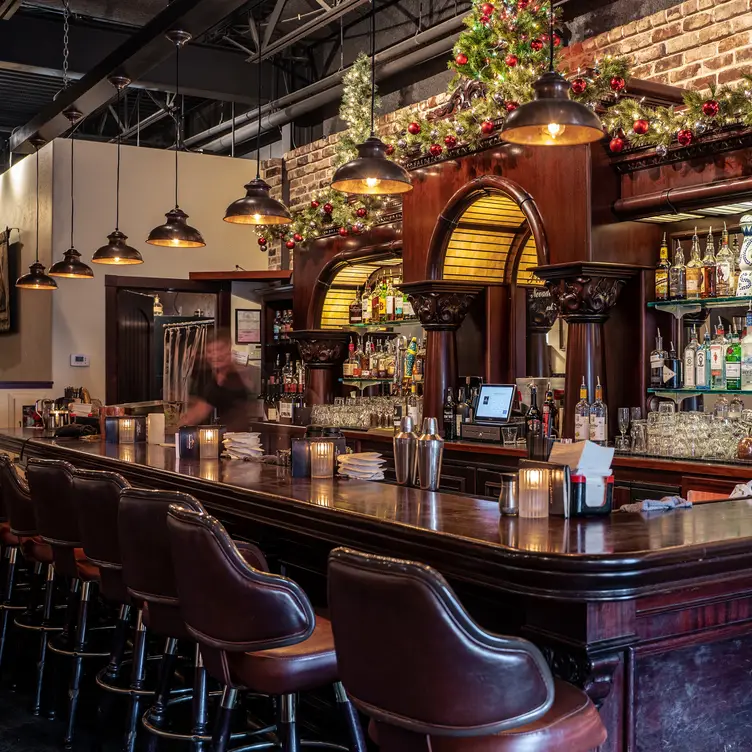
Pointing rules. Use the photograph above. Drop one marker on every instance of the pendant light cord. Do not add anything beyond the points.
(373, 64)
(258, 120)
(72, 199)
(178, 117)
(117, 174)
(37, 251)
(551, 39)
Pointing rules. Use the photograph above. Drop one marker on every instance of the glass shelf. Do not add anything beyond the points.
(364, 383)
(384, 326)
(679, 308)
(684, 393)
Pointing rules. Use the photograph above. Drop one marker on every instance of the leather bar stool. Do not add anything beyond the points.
(430, 678)
(258, 631)
(20, 536)
(51, 486)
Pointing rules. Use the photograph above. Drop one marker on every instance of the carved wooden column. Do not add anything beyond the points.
(584, 293)
(323, 352)
(441, 306)
(542, 312)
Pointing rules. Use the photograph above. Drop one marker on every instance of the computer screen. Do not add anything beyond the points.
(495, 402)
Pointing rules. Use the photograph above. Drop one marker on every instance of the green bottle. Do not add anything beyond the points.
(734, 363)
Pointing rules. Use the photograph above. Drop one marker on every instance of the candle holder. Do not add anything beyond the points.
(534, 492)
(124, 429)
(322, 459)
(208, 442)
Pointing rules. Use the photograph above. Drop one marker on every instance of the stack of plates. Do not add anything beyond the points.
(363, 465)
(241, 446)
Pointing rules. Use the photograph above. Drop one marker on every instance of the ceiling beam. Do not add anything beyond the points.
(138, 54)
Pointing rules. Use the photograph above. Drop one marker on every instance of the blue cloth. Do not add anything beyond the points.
(657, 505)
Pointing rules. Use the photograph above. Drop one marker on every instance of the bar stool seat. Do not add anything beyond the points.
(6, 536)
(295, 668)
(36, 549)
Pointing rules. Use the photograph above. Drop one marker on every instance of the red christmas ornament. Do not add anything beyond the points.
(343, 231)
(710, 108)
(485, 20)
(487, 9)
(522, 4)
(314, 204)
(413, 128)
(487, 127)
(511, 106)
(290, 244)
(435, 150)
(361, 212)
(297, 237)
(450, 142)
(536, 45)
(511, 60)
(460, 58)
(685, 137)
(389, 150)
(262, 241)
(579, 85)
(641, 126)
(557, 40)
(617, 83)
(617, 144)
(328, 208)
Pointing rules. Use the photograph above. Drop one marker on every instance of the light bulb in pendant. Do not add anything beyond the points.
(372, 182)
(555, 130)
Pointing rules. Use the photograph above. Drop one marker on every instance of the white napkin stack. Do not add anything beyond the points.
(362, 465)
(241, 446)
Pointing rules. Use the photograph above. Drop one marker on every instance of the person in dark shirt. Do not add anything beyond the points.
(218, 386)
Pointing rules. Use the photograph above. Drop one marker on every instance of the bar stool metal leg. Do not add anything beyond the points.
(70, 613)
(166, 672)
(49, 592)
(357, 741)
(79, 645)
(200, 709)
(287, 727)
(224, 716)
(10, 574)
(137, 681)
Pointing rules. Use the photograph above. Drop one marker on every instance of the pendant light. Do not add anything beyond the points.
(71, 265)
(176, 232)
(258, 207)
(552, 118)
(371, 172)
(117, 251)
(36, 279)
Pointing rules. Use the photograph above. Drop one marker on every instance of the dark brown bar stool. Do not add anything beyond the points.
(430, 678)
(51, 486)
(257, 630)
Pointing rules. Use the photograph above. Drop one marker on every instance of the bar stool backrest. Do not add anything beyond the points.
(411, 657)
(226, 603)
(51, 485)
(3, 510)
(16, 499)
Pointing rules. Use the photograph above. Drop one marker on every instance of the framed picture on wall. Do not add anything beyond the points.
(247, 326)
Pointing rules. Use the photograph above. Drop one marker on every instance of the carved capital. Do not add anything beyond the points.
(586, 291)
(321, 348)
(440, 304)
(542, 310)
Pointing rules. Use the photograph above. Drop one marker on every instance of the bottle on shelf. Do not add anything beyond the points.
(412, 351)
(599, 417)
(413, 405)
(472, 401)
(709, 269)
(550, 415)
(694, 270)
(277, 326)
(737, 268)
(365, 305)
(671, 375)
(382, 358)
(746, 344)
(677, 275)
(460, 411)
(450, 423)
(398, 305)
(347, 366)
(373, 361)
(724, 267)
(661, 272)
(407, 308)
(270, 400)
(717, 358)
(376, 301)
(689, 360)
(657, 358)
(420, 362)
(702, 363)
(734, 362)
(357, 362)
(390, 300)
(582, 415)
(356, 308)
(533, 417)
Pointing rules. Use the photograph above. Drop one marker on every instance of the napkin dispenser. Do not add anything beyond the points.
(301, 454)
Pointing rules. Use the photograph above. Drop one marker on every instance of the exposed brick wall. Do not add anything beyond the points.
(272, 170)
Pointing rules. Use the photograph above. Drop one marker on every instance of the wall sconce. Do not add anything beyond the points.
(534, 492)
(322, 459)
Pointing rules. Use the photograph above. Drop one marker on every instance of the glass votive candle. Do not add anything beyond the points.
(533, 492)
(208, 442)
(127, 433)
(322, 459)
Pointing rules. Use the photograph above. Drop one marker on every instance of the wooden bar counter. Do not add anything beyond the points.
(651, 614)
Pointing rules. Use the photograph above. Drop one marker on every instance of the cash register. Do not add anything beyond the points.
(492, 411)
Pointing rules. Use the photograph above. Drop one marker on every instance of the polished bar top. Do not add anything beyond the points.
(618, 554)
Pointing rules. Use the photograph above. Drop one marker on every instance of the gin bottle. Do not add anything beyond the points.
(746, 344)
(582, 415)
(694, 270)
(718, 358)
(672, 370)
(709, 269)
(702, 364)
(599, 417)
(734, 363)
(724, 266)
(689, 359)
(677, 275)
(657, 358)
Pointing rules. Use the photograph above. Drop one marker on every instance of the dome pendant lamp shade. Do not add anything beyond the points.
(257, 207)
(71, 266)
(117, 251)
(371, 172)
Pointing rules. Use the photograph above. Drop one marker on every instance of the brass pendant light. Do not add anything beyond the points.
(117, 251)
(371, 173)
(176, 232)
(36, 279)
(258, 207)
(71, 265)
(552, 118)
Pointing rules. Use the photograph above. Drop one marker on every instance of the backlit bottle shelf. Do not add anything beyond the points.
(685, 393)
(679, 308)
(384, 326)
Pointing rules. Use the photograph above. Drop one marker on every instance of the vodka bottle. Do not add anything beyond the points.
(689, 359)
(657, 358)
(599, 417)
(702, 364)
(582, 415)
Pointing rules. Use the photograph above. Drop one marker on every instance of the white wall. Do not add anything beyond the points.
(207, 185)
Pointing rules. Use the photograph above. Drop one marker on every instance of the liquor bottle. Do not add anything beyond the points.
(356, 364)
(689, 359)
(702, 364)
(694, 270)
(450, 424)
(376, 304)
(373, 361)
(420, 362)
(407, 308)
(657, 358)
(747, 352)
(677, 275)
(599, 417)
(672, 370)
(472, 402)
(365, 305)
(413, 406)
(347, 366)
(709, 270)
(277, 327)
(382, 356)
(300, 371)
(724, 267)
(717, 358)
(533, 417)
(582, 415)
(737, 267)
(390, 300)
(287, 372)
(398, 308)
(412, 351)
(270, 400)
(460, 412)
(734, 362)
(356, 309)
(661, 272)
(550, 414)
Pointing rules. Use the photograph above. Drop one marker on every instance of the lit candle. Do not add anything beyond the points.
(208, 443)
(127, 433)
(322, 459)
(534, 492)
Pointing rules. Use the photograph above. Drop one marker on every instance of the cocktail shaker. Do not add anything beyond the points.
(406, 452)
(430, 453)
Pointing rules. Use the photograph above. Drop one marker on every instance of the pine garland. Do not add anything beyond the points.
(355, 109)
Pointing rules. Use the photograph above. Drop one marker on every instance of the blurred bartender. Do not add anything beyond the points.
(217, 385)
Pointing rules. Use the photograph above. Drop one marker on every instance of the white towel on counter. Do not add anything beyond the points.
(657, 505)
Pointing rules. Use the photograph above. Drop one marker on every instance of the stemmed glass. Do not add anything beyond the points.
(623, 416)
